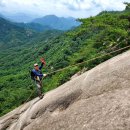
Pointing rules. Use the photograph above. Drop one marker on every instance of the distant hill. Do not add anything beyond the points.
(20, 17)
(49, 22)
(59, 23)
(16, 34)
(13, 35)
(1, 16)
(35, 26)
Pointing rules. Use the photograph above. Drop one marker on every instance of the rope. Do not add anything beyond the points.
(77, 65)
(80, 64)
(89, 60)
(36, 48)
(29, 96)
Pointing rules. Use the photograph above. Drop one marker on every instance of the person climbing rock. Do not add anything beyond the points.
(36, 75)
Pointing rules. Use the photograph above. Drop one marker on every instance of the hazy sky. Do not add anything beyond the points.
(74, 8)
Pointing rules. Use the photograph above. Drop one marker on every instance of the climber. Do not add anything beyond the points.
(36, 75)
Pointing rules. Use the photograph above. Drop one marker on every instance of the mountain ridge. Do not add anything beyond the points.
(59, 23)
(48, 22)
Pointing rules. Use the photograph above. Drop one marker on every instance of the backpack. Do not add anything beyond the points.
(32, 75)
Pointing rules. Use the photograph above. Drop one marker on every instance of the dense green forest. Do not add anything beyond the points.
(106, 32)
(12, 35)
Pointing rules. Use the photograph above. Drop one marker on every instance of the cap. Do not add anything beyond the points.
(35, 64)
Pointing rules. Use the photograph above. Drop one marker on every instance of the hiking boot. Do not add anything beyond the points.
(41, 96)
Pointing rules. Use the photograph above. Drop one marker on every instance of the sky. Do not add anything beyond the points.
(61, 8)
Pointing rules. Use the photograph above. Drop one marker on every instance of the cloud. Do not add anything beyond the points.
(2, 3)
(77, 5)
(93, 7)
(74, 8)
(91, 4)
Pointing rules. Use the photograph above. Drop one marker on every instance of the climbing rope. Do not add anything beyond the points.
(89, 60)
(78, 65)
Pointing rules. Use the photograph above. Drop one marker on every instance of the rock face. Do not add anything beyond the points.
(96, 100)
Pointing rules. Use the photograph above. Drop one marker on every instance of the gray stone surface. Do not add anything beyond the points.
(96, 100)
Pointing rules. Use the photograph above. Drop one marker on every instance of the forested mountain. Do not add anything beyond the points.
(96, 36)
(49, 22)
(1, 16)
(35, 26)
(17, 34)
(12, 35)
(59, 23)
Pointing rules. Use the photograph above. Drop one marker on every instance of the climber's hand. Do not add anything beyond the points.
(43, 61)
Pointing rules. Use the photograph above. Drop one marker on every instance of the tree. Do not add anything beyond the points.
(127, 5)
